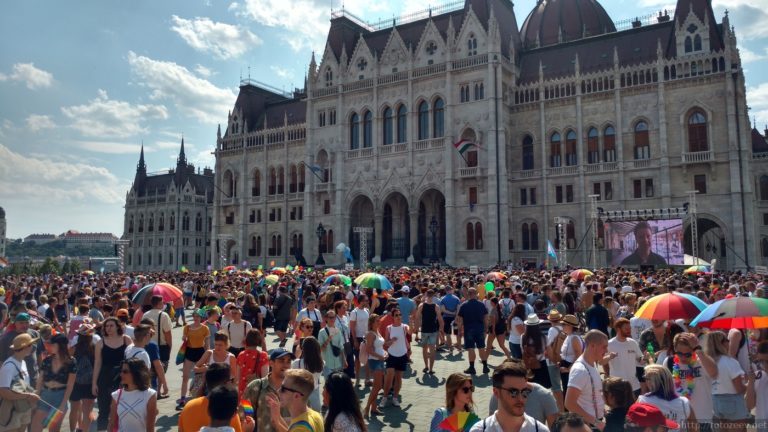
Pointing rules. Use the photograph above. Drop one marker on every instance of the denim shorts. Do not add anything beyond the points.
(429, 338)
(376, 365)
(730, 407)
(53, 397)
(474, 339)
(554, 378)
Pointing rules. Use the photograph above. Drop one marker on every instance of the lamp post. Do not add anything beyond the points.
(320, 231)
(433, 230)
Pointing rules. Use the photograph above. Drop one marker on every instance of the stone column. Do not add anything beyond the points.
(378, 228)
(414, 233)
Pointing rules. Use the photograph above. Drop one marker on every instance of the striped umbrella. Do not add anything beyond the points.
(338, 279)
(671, 306)
(168, 292)
(580, 274)
(229, 268)
(736, 312)
(271, 279)
(497, 276)
(698, 270)
(373, 280)
(331, 272)
(279, 270)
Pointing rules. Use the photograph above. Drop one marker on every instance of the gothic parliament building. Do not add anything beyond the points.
(458, 137)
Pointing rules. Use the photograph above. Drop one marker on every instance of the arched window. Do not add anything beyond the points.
(423, 120)
(199, 222)
(367, 129)
(273, 246)
(570, 235)
(697, 132)
(388, 137)
(764, 188)
(354, 132)
(151, 222)
(528, 153)
(697, 43)
(280, 180)
(185, 222)
(293, 179)
(471, 45)
(593, 147)
(609, 144)
(302, 173)
(438, 117)
(272, 181)
(555, 160)
(642, 142)
(402, 123)
(764, 247)
(526, 235)
(129, 258)
(478, 236)
(172, 221)
(329, 241)
(229, 184)
(161, 222)
(328, 77)
(571, 158)
(688, 44)
(256, 189)
(534, 236)
(141, 223)
(258, 246)
(470, 236)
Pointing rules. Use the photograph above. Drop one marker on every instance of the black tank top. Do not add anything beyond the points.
(111, 358)
(429, 322)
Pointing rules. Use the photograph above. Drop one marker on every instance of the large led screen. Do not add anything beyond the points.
(641, 243)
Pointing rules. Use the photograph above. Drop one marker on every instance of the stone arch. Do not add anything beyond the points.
(712, 232)
(396, 225)
(362, 213)
(431, 215)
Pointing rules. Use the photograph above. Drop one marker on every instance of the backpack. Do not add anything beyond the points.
(506, 308)
(553, 351)
(269, 319)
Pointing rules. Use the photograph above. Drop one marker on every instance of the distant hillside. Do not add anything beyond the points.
(53, 249)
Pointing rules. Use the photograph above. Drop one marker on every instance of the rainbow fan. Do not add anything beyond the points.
(247, 407)
(459, 422)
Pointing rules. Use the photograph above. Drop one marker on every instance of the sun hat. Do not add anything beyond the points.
(646, 415)
(22, 341)
(570, 320)
(554, 316)
(532, 320)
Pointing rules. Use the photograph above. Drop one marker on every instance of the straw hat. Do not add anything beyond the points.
(554, 316)
(22, 341)
(570, 320)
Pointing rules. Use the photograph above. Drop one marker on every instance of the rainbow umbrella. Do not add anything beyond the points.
(698, 270)
(229, 268)
(168, 292)
(279, 270)
(331, 272)
(495, 276)
(459, 422)
(338, 279)
(271, 279)
(736, 312)
(88, 272)
(373, 280)
(580, 274)
(247, 272)
(671, 306)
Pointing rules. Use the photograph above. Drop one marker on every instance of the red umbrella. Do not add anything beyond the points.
(168, 292)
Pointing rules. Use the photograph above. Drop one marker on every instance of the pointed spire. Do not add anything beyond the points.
(218, 132)
(182, 160)
(141, 166)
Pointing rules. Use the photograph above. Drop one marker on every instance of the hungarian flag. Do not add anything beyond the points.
(463, 145)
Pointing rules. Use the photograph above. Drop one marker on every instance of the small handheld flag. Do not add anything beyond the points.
(551, 250)
(53, 417)
(247, 407)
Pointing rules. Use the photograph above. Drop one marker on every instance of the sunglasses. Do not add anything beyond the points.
(284, 389)
(514, 392)
(682, 354)
(396, 315)
(467, 390)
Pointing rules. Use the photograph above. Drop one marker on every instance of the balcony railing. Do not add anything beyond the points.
(641, 163)
(360, 153)
(760, 156)
(601, 167)
(565, 170)
(322, 187)
(470, 172)
(429, 144)
(698, 157)
(470, 61)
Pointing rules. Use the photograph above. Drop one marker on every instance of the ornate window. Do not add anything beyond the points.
(642, 142)
(609, 144)
(571, 158)
(688, 44)
(256, 189)
(280, 180)
(272, 181)
(354, 132)
(471, 45)
(528, 153)
(302, 172)
(293, 178)
(388, 126)
(367, 129)
(438, 118)
(423, 120)
(534, 236)
(697, 43)
(697, 132)
(402, 123)
(328, 77)
(478, 236)
(526, 236)
(593, 147)
(470, 236)
(555, 159)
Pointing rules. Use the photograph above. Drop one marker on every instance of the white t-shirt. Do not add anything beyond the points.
(761, 393)
(42, 309)
(701, 400)
(491, 425)
(165, 325)
(94, 341)
(8, 372)
(132, 351)
(678, 409)
(315, 315)
(587, 379)
(514, 336)
(638, 325)
(742, 355)
(728, 368)
(132, 409)
(627, 360)
(237, 332)
(360, 317)
(128, 331)
(399, 348)
(567, 352)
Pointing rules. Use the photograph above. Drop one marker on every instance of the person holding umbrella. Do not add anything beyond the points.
(163, 324)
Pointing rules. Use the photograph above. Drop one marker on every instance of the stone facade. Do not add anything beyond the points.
(638, 116)
(168, 218)
(3, 239)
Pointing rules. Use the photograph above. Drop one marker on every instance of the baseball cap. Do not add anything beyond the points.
(280, 353)
(405, 289)
(122, 313)
(646, 415)
(22, 317)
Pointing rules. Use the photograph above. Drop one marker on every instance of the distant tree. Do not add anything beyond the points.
(74, 266)
(66, 267)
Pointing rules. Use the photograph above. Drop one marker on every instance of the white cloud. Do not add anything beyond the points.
(111, 147)
(31, 76)
(103, 117)
(173, 145)
(37, 122)
(223, 41)
(194, 96)
(203, 159)
(748, 56)
(757, 99)
(203, 71)
(282, 72)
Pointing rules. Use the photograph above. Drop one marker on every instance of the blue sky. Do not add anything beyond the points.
(83, 83)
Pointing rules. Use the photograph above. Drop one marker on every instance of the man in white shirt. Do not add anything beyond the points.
(236, 330)
(141, 338)
(585, 388)
(625, 355)
(358, 324)
(163, 323)
(555, 330)
(510, 387)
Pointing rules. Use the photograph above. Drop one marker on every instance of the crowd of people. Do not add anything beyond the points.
(561, 353)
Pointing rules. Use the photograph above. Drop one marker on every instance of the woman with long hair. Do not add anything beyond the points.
(108, 356)
(458, 397)
(81, 400)
(134, 405)
(55, 382)
(374, 345)
(662, 394)
(497, 328)
(533, 344)
(728, 386)
(343, 411)
(516, 326)
(570, 303)
(312, 360)
(572, 348)
(619, 397)
(303, 331)
(196, 336)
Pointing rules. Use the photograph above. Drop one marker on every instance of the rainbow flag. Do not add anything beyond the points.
(54, 417)
(247, 407)
(463, 145)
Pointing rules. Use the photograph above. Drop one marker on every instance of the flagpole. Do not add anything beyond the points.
(313, 172)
